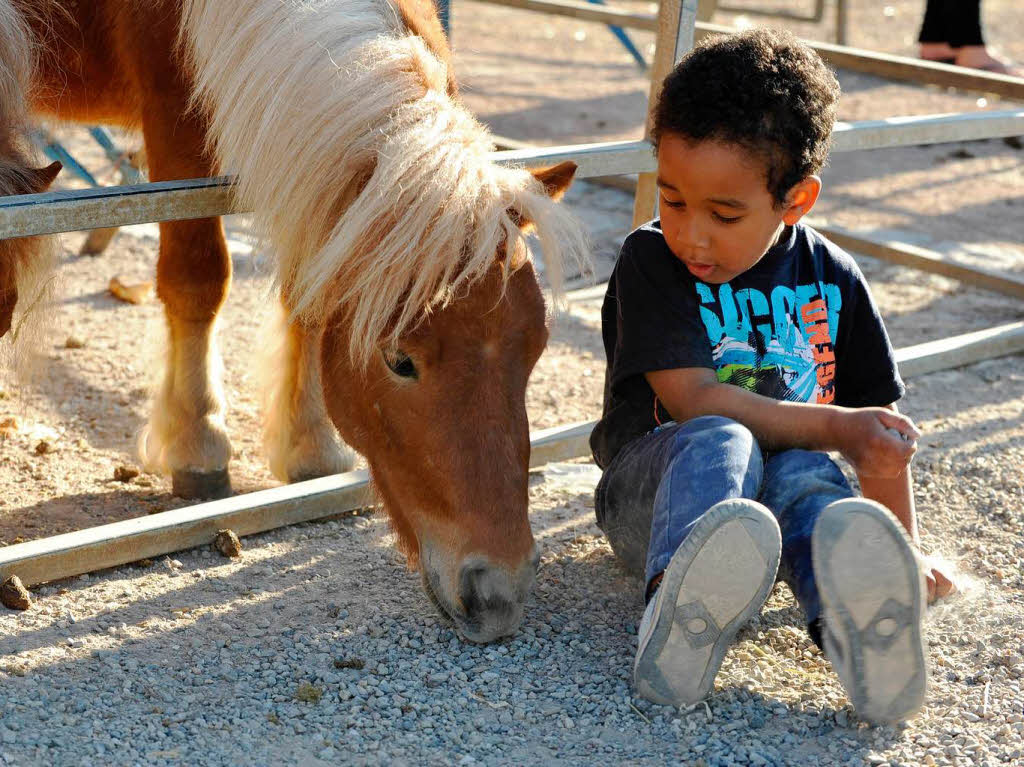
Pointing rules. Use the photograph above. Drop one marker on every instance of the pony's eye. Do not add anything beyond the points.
(400, 363)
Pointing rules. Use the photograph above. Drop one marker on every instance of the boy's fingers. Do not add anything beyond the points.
(907, 447)
(909, 427)
(901, 424)
(911, 451)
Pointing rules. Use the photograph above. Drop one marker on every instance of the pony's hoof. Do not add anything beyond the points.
(201, 484)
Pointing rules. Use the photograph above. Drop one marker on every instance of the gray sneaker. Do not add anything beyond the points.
(872, 602)
(716, 581)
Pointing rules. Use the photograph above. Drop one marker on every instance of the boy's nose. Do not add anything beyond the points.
(694, 237)
(695, 248)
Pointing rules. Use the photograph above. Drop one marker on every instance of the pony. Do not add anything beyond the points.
(412, 311)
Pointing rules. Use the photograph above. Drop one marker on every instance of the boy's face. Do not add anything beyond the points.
(717, 214)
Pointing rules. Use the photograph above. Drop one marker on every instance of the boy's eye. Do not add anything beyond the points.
(726, 219)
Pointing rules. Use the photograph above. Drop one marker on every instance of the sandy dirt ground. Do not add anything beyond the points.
(553, 81)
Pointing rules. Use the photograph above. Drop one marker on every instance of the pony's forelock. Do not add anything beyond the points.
(384, 202)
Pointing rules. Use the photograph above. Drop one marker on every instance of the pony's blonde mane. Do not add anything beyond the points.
(373, 185)
(15, 65)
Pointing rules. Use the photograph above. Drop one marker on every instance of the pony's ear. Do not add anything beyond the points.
(39, 179)
(556, 179)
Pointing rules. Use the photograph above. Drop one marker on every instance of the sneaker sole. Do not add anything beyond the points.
(717, 580)
(872, 594)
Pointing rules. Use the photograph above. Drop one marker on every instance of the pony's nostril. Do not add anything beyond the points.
(471, 581)
(484, 590)
(491, 600)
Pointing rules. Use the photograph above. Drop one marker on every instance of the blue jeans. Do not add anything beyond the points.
(658, 486)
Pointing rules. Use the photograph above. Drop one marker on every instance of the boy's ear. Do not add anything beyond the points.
(800, 199)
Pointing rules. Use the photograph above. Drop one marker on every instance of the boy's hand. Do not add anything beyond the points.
(878, 442)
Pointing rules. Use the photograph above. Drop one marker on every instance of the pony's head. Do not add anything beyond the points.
(439, 411)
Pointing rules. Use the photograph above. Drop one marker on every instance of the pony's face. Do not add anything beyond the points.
(441, 419)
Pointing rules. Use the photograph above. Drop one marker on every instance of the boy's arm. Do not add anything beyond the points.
(861, 434)
(897, 495)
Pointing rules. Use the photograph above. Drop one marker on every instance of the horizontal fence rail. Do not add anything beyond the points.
(578, 9)
(923, 259)
(113, 206)
(931, 129)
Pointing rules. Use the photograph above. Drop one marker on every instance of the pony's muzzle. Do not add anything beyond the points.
(493, 597)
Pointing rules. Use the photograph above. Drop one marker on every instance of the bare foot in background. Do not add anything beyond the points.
(941, 53)
(978, 57)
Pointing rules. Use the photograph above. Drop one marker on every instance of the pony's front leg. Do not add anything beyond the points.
(298, 437)
(185, 436)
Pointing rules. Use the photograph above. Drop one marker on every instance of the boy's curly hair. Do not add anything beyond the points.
(763, 90)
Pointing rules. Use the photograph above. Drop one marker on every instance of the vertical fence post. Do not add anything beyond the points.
(841, 36)
(676, 20)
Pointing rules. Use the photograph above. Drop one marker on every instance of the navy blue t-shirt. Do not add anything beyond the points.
(799, 325)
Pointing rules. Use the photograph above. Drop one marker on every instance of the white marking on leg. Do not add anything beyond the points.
(298, 437)
(186, 429)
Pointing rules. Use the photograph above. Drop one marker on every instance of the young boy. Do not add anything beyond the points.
(741, 345)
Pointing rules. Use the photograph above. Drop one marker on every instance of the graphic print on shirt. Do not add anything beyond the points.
(778, 345)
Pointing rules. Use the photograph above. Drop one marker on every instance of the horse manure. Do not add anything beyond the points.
(356, 663)
(125, 473)
(137, 293)
(9, 426)
(13, 594)
(74, 342)
(44, 447)
(227, 543)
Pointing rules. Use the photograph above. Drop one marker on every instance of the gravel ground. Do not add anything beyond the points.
(293, 655)
(318, 647)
